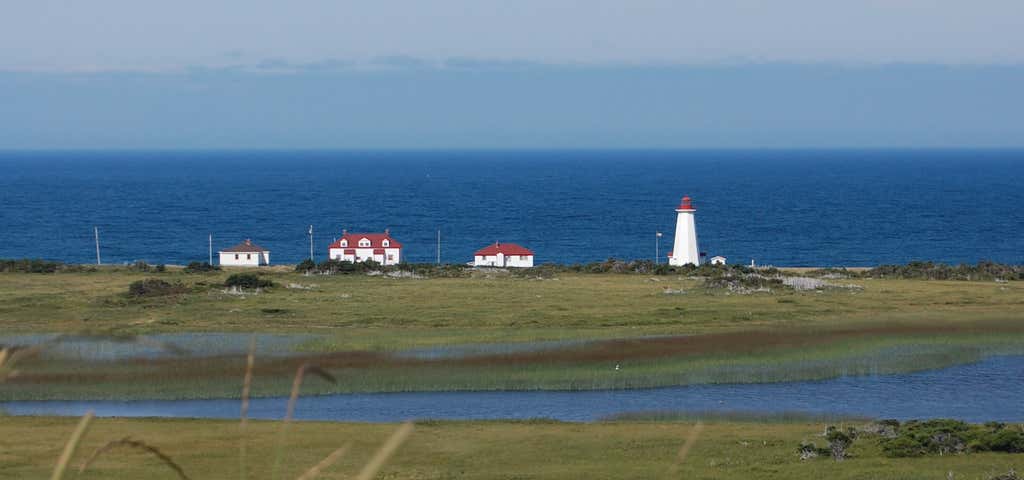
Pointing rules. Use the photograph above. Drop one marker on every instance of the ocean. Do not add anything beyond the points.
(776, 207)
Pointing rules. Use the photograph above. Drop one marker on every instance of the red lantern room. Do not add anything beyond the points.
(686, 204)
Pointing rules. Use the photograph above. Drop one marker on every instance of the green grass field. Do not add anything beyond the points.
(362, 311)
(29, 448)
(689, 335)
(661, 330)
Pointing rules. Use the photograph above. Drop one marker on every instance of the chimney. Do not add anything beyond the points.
(248, 242)
(387, 231)
(344, 232)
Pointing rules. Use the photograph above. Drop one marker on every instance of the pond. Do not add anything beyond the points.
(988, 390)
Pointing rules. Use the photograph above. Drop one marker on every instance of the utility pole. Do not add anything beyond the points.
(311, 243)
(439, 246)
(96, 232)
(657, 246)
(211, 249)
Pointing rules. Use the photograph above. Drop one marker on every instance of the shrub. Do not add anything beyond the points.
(305, 266)
(27, 265)
(1011, 475)
(247, 280)
(331, 266)
(200, 267)
(139, 266)
(432, 270)
(154, 287)
(839, 441)
(743, 282)
(918, 438)
(984, 270)
(808, 450)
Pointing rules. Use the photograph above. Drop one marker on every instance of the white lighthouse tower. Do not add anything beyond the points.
(684, 246)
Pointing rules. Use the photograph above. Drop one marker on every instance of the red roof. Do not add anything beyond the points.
(245, 247)
(504, 249)
(376, 240)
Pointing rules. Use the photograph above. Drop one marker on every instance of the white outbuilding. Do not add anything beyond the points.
(718, 260)
(245, 254)
(503, 255)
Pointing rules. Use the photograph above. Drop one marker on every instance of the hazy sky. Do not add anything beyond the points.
(483, 73)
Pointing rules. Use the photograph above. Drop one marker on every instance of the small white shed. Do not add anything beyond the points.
(245, 254)
(503, 255)
(718, 260)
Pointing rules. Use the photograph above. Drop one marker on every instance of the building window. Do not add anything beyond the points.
(248, 256)
(386, 243)
(391, 257)
(236, 256)
(344, 243)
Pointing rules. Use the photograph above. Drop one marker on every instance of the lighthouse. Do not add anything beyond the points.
(684, 246)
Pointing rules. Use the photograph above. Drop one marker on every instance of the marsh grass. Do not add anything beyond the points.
(737, 416)
(282, 432)
(369, 470)
(749, 357)
(243, 424)
(128, 442)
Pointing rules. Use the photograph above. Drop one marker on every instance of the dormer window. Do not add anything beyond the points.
(364, 242)
(386, 243)
(344, 242)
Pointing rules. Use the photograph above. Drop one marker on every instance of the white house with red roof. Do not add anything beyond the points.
(245, 254)
(362, 247)
(503, 255)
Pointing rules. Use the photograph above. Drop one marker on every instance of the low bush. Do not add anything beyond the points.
(305, 266)
(331, 267)
(743, 282)
(140, 266)
(940, 437)
(154, 287)
(200, 267)
(30, 265)
(432, 270)
(247, 280)
(839, 443)
(984, 270)
(1011, 475)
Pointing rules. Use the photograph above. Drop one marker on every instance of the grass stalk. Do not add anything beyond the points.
(72, 446)
(243, 425)
(136, 444)
(684, 450)
(386, 451)
(282, 431)
(326, 462)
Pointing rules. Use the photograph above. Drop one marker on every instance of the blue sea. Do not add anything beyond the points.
(778, 207)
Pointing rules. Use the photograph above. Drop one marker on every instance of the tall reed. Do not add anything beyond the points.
(72, 446)
(326, 462)
(290, 410)
(386, 451)
(139, 445)
(243, 425)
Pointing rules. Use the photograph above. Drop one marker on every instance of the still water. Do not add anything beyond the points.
(990, 390)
